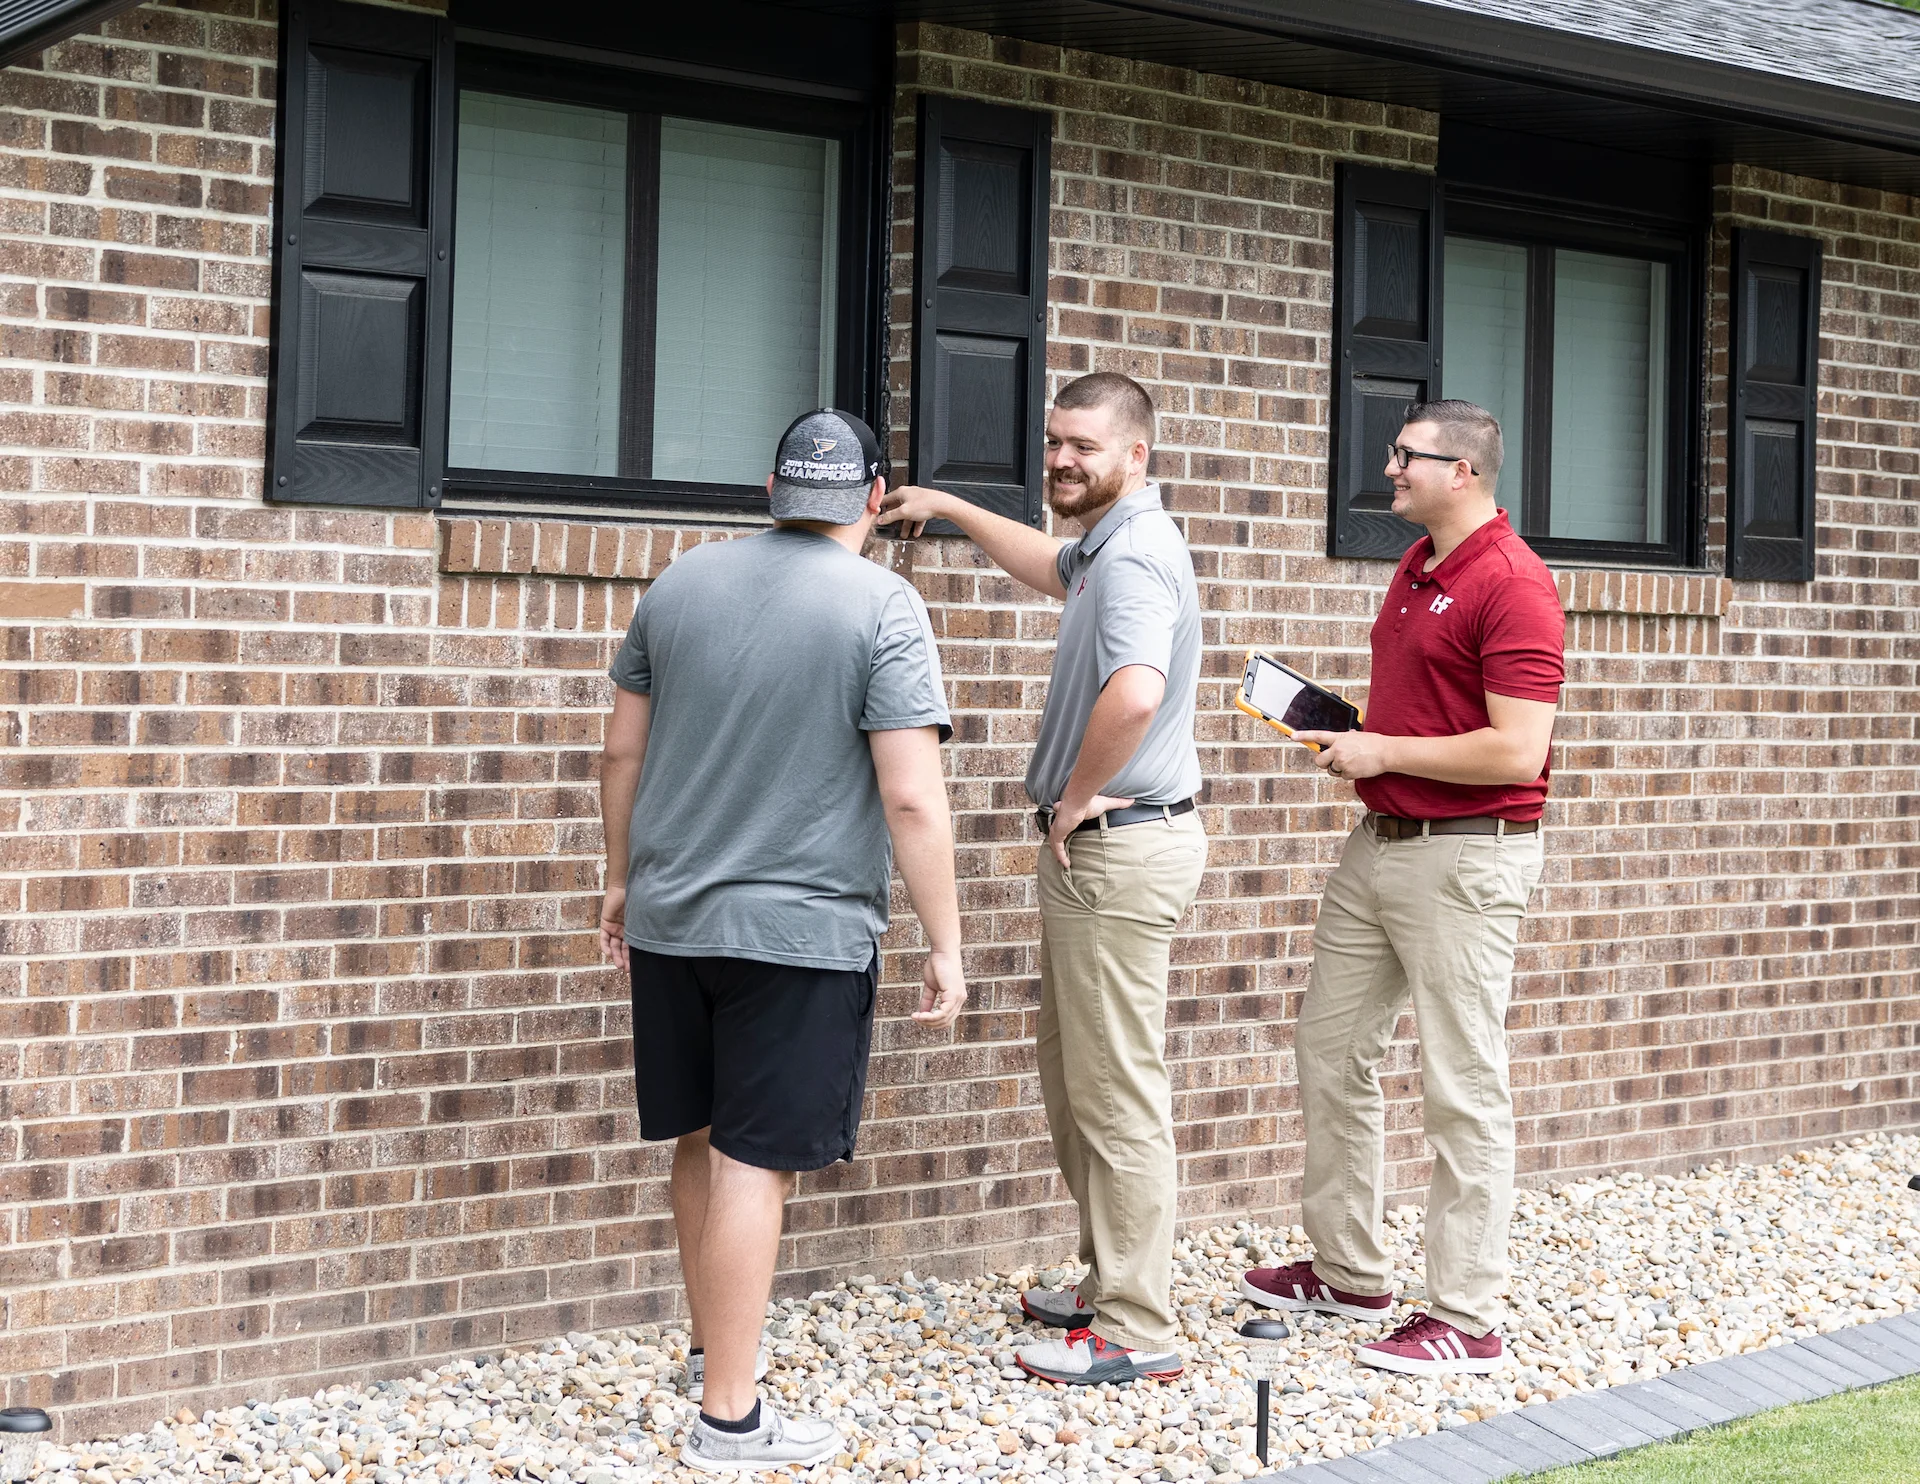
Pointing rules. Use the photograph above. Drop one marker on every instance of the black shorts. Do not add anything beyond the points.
(772, 1057)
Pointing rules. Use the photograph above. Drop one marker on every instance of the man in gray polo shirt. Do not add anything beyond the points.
(1114, 773)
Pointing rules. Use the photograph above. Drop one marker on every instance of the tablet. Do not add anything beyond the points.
(1284, 698)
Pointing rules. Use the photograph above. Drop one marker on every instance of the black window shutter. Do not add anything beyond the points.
(980, 303)
(1386, 345)
(363, 219)
(1772, 422)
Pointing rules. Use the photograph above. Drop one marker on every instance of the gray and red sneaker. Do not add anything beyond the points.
(1425, 1346)
(1296, 1287)
(1084, 1359)
(1063, 1308)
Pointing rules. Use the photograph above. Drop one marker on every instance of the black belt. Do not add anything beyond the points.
(1392, 827)
(1132, 814)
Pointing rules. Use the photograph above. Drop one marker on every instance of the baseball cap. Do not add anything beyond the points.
(827, 461)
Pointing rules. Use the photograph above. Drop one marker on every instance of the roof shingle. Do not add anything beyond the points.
(1860, 45)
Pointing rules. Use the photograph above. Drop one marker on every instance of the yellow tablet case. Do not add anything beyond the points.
(1240, 700)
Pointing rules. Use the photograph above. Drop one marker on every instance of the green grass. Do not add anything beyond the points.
(1859, 1437)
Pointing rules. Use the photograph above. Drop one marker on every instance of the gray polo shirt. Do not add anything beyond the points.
(758, 831)
(1131, 600)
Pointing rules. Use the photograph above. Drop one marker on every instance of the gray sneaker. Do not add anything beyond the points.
(1084, 1359)
(697, 1372)
(776, 1443)
(1063, 1308)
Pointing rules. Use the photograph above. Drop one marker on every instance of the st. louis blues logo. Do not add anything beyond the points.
(824, 446)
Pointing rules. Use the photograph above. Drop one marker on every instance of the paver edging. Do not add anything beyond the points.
(1753, 1381)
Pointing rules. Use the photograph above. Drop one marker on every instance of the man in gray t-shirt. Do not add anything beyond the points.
(1114, 772)
(758, 831)
(777, 721)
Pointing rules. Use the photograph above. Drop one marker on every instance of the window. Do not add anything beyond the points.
(1574, 336)
(540, 287)
(652, 277)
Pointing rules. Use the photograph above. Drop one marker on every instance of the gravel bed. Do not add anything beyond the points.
(1615, 1279)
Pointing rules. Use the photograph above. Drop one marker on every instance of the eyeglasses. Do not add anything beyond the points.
(1404, 456)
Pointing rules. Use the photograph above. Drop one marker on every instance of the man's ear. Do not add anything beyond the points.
(874, 495)
(769, 486)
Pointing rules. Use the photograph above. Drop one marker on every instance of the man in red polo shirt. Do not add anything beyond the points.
(1426, 905)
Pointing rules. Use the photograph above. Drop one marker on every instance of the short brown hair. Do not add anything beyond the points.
(1471, 429)
(1124, 397)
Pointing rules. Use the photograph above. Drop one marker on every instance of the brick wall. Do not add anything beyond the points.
(306, 1067)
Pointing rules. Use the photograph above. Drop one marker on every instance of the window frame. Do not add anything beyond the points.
(1542, 226)
(645, 97)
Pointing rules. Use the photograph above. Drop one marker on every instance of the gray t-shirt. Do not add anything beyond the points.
(758, 831)
(1131, 600)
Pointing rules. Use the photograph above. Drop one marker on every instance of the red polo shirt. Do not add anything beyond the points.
(1488, 618)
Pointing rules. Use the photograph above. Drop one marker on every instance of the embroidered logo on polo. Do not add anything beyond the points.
(1440, 604)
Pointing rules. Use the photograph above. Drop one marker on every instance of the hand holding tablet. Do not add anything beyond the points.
(1291, 703)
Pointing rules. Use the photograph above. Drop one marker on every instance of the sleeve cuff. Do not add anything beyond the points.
(1158, 666)
(908, 723)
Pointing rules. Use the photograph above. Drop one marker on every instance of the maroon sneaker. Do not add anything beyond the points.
(1296, 1287)
(1425, 1346)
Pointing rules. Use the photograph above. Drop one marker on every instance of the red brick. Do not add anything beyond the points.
(42, 599)
(96, 306)
(22, 89)
(71, 137)
(150, 270)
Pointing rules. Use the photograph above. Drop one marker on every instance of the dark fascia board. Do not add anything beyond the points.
(733, 37)
(1442, 36)
(33, 28)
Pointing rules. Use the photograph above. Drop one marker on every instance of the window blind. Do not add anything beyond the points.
(1485, 355)
(745, 326)
(539, 281)
(1609, 397)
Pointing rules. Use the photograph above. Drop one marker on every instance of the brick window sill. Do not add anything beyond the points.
(509, 546)
(516, 546)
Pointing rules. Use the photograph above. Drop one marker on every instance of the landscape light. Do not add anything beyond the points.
(22, 1431)
(1263, 1337)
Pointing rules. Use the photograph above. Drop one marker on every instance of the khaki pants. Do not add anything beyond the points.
(1434, 921)
(1106, 931)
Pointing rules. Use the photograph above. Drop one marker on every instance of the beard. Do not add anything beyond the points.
(1071, 499)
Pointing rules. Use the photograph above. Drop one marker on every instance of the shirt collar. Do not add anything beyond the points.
(1145, 498)
(1461, 557)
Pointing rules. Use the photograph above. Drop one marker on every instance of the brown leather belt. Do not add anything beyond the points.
(1392, 827)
